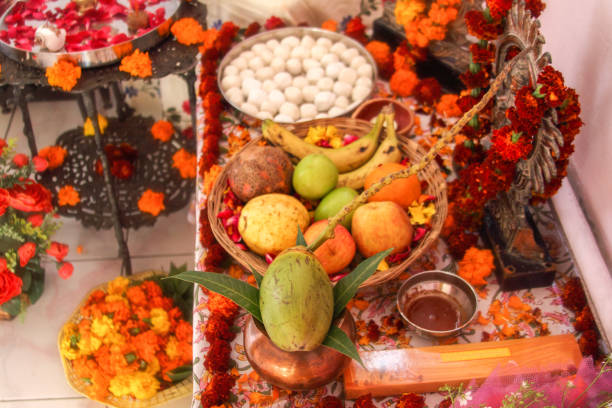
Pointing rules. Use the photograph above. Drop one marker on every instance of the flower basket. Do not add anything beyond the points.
(436, 187)
(175, 391)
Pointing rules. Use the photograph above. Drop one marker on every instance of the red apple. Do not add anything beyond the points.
(378, 226)
(335, 254)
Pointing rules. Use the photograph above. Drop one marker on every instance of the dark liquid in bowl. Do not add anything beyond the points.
(433, 313)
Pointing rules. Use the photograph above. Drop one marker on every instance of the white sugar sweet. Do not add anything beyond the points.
(317, 52)
(276, 98)
(283, 79)
(264, 73)
(272, 44)
(348, 75)
(239, 63)
(234, 95)
(309, 92)
(257, 96)
(230, 81)
(267, 56)
(342, 102)
(314, 74)
(277, 64)
(283, 118)
(282, 51)
(291, 110)
(324, 100)
(269, 107)
(259, 48)
(231, 70)
(329, 58)
(335, 111)
(310, 63)
(299, 82)
(255, 63)
(263, 115)
(338, 48)
(321, 116)
(325, 84)
(348, 55)
(247, 73)
(294, 66)
(249, 109)
(342, 89)
(364, 81)
(308, 41)
(247, 55)
(365, 71)
(360, 93)
(249, 84)
(300, 52)
(333, 70)
(357, 62)
(324, 42)
(291, 41)
(293, 95)
(268, 85)
(308, 111)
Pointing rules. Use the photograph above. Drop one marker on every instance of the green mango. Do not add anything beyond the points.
(333, 202)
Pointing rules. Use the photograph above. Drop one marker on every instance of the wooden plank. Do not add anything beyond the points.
(426, 369)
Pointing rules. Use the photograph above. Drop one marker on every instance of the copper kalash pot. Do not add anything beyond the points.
(296, 370)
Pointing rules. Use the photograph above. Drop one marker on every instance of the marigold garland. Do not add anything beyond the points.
(137, 64)
(67, 195)
(476, 265)
(188, 31)
(55, 156)
(162, 130)
(185, 162)
(151, 202)
(63, 74)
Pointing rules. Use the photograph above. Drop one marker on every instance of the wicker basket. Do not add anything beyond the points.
(436, 186)
(176, 391)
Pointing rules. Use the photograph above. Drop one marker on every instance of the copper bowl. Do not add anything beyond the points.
(404, 117)
(296, 370)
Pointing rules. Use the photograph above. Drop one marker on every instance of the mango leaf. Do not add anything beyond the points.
(301, 241)
(347, 287)
(240, 292)
(258, 276)
(338, 340)
(180, 373)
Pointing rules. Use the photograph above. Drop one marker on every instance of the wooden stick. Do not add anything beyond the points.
(446, 138)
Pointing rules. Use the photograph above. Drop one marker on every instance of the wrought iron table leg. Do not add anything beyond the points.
(20, 98)
(123, 110)
(124, 253)
(82, 107)
(190, 78)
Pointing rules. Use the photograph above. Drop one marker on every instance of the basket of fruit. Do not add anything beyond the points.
(261, 198)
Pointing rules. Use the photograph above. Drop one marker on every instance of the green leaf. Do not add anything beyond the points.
(26, 280)
(130, 357)
(301, 241)
(36, 288)
(258, 276)
(346, 287)
(13, 306)
(240, 292)
(338, 340)
(180, 373)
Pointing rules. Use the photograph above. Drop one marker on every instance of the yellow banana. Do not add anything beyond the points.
(388, 151)
(345, 158)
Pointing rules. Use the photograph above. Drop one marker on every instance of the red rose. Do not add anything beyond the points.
(274, 22)
(4, 200)
(2, 145)
(65, 271)
(26, 252)
(58, 251)
(20, 160)
(10, 284)
(36, 220)
(30, 197)
(40, 164)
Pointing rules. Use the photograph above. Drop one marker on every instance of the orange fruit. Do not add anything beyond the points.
(402, 191)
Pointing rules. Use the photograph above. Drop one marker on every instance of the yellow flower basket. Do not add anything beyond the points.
(176, 391)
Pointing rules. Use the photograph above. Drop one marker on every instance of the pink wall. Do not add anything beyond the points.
(579, 37)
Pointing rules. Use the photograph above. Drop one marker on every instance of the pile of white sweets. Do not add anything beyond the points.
(293, 80)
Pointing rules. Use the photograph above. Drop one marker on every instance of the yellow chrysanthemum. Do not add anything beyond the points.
(159, 321)
(153, 366)
(406, 11)
(114, 338)
(172, 349)
(102, 326)
(88, 344)
(120, 385)
(88, 129)
(118, 285)
(143, 385)
(115, 298)
(68, 344)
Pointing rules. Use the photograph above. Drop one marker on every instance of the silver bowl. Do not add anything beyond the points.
(449, 289)
(299, 32)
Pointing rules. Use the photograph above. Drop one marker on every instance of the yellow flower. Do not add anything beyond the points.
(102, 326)
(120, 385)
(382, 266)
(68, 344)
(115, 298)
(159, 321)
(88, 344)
(152, 366)
(172, 348)
(421, 213)
(406, 11)
(143, 385)
(118, 285)
(114, 338)
(88, 129)
(336, 142)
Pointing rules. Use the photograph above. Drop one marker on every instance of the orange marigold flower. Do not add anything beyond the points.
(137, 64)
(222, 305)
(185, 162)
(184, 331)
(63, 74)
(54, 155)
(162, 130)
(403, 82)
(188, 31)
(146, 345)
(67, 195)
(151, 202)
(448, 106)
(330, 25)
(476, 265)
(136, 296)
(210, 177)
(406, 11)
(382, 55)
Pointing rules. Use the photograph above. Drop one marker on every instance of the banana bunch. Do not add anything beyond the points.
(354, 161)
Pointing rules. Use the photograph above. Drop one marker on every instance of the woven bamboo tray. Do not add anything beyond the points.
(436, 186)
(176, 391)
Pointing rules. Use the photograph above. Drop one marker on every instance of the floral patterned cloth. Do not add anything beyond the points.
(378, 322)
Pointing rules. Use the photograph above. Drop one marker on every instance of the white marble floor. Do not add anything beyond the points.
(31, 373)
